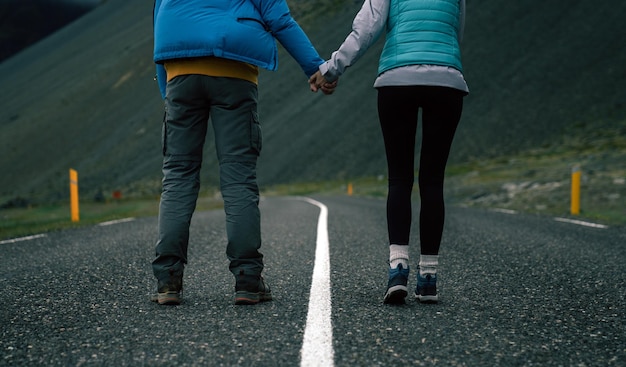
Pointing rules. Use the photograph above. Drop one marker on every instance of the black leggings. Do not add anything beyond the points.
(398, 108)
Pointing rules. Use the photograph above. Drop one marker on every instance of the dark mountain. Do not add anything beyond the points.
(24, 22)
(85, 98)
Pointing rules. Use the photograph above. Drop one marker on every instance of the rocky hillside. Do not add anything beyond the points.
(84, 97)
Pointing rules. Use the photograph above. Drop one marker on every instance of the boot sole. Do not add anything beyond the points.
(168, 298)
(251, 298)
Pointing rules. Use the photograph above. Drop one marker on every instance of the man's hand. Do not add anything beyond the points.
(317, 82)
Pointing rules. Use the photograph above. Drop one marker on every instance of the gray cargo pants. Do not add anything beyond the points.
(232, 106)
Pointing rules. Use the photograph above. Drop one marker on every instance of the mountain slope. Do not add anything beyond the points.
(24, 22)
(85, 97)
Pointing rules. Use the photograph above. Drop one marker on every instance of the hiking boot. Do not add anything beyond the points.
(426, 290)
(169, 292)
(251, 289)
(396, 287)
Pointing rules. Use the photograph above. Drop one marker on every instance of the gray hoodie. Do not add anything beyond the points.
(367, 26)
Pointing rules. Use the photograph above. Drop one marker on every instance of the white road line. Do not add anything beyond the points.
(582, 223)
(111, 222)
(317, 346)
(558, 219)
(505, 211)
(27, 238)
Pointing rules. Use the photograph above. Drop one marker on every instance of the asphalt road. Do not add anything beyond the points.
(515, 290)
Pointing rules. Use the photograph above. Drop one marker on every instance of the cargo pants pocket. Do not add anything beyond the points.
(256, 138)
(164, 132)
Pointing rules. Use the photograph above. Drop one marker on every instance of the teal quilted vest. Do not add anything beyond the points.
(421, 32)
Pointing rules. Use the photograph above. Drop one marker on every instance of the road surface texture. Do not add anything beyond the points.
(515, 290)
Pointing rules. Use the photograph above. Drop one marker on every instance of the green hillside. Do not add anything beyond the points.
(541, 75)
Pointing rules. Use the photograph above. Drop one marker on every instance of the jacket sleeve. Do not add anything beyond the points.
(367, 27)
(161, 75)
(287, 31)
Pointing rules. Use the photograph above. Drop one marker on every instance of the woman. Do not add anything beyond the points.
(419, 67)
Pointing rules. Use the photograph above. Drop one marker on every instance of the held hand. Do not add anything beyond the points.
(317, 81)
(328, 88)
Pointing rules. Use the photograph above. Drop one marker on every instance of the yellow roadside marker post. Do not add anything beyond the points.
(575, 196)
(74, 195)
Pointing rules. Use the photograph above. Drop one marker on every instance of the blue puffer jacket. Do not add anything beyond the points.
(242, 30)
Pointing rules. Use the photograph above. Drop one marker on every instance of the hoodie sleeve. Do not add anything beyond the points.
(367, 27)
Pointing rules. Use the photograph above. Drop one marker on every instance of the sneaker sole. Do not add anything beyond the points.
(250, 298)
(427, 299)
(395, 294)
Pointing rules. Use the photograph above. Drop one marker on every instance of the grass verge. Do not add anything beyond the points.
(18, 222)
(537, 182)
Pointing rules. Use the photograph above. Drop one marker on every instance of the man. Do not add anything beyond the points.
(208, 55)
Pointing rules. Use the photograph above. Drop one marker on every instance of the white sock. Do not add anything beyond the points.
(399, 254)
(428, 264)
